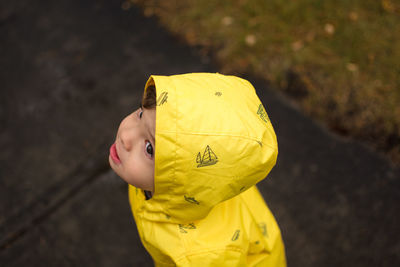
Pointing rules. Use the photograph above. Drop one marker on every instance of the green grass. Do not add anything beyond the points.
(339, 60)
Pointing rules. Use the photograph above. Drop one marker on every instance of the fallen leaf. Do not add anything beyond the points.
(353, 16)
(390, 6)
(227, 20)
(352, 67)
(251, 40)
(329, 29)
(296, 46)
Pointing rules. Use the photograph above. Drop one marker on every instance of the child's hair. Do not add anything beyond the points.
(149, 99)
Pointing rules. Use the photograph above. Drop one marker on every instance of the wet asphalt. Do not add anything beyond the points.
(71, 70)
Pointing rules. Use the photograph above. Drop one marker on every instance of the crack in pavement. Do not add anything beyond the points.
(53, 198)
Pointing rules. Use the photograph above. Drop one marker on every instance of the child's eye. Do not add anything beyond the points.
(140, 114)
(149, 148)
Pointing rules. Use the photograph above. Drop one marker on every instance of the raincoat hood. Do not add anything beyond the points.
(213, 141)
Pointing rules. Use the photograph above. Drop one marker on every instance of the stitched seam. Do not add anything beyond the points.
(181, 237)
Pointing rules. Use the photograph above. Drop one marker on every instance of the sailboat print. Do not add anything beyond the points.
(208, 158)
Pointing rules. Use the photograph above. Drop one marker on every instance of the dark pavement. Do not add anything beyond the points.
(71, 70)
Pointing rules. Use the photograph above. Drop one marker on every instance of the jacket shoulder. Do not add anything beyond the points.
(230, 233)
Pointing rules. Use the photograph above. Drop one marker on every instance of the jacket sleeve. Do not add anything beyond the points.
(225, 257)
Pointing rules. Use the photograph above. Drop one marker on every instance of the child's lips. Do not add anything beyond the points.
(114, 154)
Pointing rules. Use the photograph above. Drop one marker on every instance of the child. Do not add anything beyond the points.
(192, 155)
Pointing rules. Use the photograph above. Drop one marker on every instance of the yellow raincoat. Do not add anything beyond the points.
(214, 142)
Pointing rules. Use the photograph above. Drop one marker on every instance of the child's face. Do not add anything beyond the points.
(132, 154)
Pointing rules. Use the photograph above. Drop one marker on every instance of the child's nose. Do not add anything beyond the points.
(126, 139)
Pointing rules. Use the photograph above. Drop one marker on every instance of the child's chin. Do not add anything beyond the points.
(110, 161)
(112, 165)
